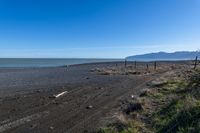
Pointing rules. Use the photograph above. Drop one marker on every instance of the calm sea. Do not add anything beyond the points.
(21, 62)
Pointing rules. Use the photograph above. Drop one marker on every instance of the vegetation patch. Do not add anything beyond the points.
(132, 107)
(132, 127)
(169, 107)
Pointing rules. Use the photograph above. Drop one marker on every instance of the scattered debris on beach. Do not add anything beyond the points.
(60, 94)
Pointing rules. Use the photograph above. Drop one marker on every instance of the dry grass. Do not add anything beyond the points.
(171, 105)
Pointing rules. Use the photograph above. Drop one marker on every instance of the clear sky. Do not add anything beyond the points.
(97, 28)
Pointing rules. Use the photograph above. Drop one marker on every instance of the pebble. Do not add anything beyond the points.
(89, 107)
(51, 127)
(132, 96)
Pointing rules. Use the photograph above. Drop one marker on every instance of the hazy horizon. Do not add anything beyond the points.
(91, 58)
(97, 29)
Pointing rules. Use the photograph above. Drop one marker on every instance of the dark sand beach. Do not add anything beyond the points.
(90, 93)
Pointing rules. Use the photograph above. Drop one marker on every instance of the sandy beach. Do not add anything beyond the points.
(73, 99)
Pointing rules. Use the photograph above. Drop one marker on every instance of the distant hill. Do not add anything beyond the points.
(180, 55)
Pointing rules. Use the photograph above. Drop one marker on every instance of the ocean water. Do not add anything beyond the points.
(32, 62)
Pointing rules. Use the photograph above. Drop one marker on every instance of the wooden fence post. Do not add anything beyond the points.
(195, 63)
(125, 62)
(155, 65)
(135, 65)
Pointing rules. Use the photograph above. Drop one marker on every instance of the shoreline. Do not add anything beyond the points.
(98, 63)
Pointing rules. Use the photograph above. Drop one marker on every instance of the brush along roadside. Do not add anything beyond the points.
(171, 105)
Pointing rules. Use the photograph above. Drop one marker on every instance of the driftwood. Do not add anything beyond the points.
(60, 94)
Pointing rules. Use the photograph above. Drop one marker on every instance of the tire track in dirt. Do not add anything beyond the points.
(70, 114)
(22, 121)
(108, 104)
(104, 109)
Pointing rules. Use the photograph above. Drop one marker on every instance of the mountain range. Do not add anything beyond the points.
(179, 55)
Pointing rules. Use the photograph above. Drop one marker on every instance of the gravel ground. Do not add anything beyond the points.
(28, 101)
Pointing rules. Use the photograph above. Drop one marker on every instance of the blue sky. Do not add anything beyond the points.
(97, 28)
